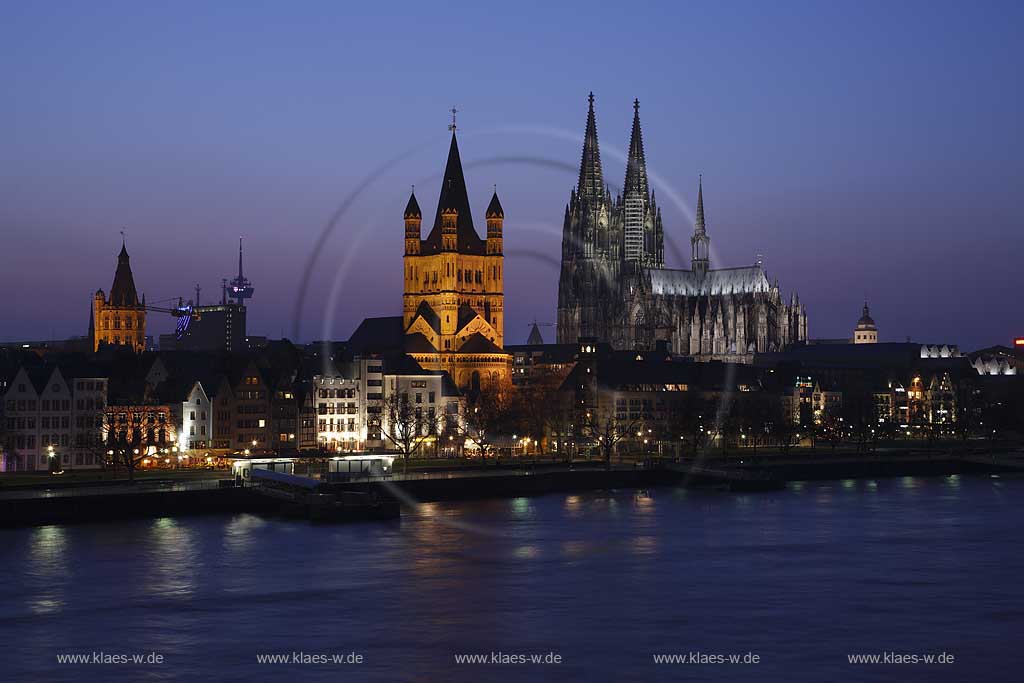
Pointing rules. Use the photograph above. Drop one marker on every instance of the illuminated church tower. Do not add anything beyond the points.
(453, 302)
(120, 319)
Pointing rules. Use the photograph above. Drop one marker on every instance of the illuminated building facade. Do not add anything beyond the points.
(453, 304)
(340, 426)
(119, 319)
(348, 401)
(148, 428)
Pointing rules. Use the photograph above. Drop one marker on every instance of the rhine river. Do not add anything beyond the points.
(800, 578)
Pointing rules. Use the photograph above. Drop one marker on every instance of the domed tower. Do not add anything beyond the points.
(865, 332)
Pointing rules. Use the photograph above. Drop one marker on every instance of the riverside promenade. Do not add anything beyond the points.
(40, 504)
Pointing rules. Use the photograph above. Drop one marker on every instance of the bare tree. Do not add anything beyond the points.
(729, 425)
(783, 428)
(485, 416)
(403, 425)
(608, 430)
(830, 429)
(754, 412)
(691, 418)
(535, 409)
(130, 433)
(968, 409)
(858, 411)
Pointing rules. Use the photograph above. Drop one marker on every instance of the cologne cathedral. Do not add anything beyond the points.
(614, 285)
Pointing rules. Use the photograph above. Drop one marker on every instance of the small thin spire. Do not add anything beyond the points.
(700, 203)
(451, 126)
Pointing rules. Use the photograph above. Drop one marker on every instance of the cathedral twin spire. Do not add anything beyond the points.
(631, 228)
(641, 220)
(636, 164)
(591, 184)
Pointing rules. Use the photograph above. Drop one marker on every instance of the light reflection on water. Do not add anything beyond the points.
(48, 558)
(172, 562)
(603, 578)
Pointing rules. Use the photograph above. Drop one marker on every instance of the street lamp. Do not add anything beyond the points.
(54, 462)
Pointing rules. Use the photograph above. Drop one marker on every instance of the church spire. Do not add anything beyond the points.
(636, 164)
(591, 184)
(699, 225)
(640, 242)
(700, 243)
(535, 339)
(122, 291)
(454, 197)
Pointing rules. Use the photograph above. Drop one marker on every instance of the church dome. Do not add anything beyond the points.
(865, 332)
(866, 322)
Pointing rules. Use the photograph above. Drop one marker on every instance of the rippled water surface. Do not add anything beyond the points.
(801, 578)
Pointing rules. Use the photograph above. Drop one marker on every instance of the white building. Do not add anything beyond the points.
(196, 429)
(90, 397)
(349, 401)
(49, 426)
(432, 396)
(337, 402)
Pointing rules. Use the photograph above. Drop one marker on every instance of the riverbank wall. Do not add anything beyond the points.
(740, 473)
(64, 509)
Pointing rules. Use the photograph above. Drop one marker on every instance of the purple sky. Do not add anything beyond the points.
(862, 148)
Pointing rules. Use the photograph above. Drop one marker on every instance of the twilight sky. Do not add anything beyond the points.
(863, 148)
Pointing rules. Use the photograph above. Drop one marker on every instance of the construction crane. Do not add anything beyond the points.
(184, 314)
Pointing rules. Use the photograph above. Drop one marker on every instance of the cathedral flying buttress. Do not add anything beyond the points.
(614, 285)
